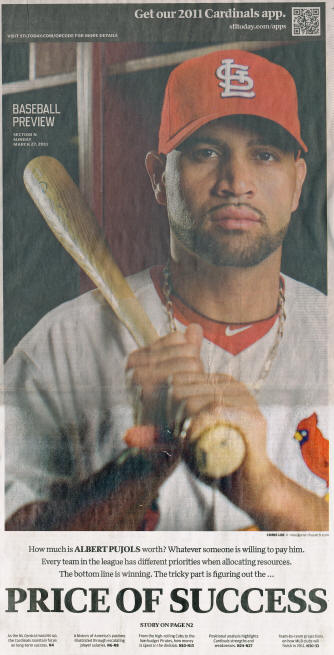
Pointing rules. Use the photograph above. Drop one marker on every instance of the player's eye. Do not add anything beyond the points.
(266, 155)
(204, 154)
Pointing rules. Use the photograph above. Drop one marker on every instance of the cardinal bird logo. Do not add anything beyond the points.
(314, 447)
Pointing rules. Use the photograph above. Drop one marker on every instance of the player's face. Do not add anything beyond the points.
(229, 194)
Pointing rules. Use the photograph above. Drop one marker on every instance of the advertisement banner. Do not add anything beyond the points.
(166, 414)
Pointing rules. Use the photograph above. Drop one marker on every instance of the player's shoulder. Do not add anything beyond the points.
(88, 302)
(301, 299)
(87, 316)
(92, 302)
(140, 283)
(72, 315)
(306, 320)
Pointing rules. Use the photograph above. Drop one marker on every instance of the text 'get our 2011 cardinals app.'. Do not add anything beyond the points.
(167, 362)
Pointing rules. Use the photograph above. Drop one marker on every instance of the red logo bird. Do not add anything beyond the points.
(314, 447)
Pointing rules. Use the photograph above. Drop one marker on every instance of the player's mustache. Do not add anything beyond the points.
(224, 205)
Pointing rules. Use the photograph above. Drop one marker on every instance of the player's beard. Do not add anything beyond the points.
(239, 248)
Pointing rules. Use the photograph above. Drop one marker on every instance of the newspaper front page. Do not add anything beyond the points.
(128, 543)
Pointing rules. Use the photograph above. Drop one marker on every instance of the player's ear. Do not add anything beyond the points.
(155, 166)
(301, 170)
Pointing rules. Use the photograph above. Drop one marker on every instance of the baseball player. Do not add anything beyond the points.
(237, 343)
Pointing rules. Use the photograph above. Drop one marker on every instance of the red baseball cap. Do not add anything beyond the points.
(226, 83)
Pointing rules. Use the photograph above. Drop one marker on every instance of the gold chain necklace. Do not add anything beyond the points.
(168, 290)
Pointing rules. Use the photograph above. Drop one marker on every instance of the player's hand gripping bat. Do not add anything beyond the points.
(218, 449)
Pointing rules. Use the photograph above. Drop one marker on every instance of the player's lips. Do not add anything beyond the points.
(232, 217)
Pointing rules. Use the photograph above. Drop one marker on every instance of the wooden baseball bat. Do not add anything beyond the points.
(219, 448)
(72, 222)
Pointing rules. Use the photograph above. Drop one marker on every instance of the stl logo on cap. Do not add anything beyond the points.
(230, 80)
(226, 83)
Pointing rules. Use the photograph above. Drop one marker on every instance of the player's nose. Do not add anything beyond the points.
(235, 177)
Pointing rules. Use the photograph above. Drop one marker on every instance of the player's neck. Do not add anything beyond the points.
(229, 294)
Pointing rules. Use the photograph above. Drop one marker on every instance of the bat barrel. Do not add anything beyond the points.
(75, 226)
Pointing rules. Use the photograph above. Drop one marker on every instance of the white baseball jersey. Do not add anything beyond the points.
(67, 406)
